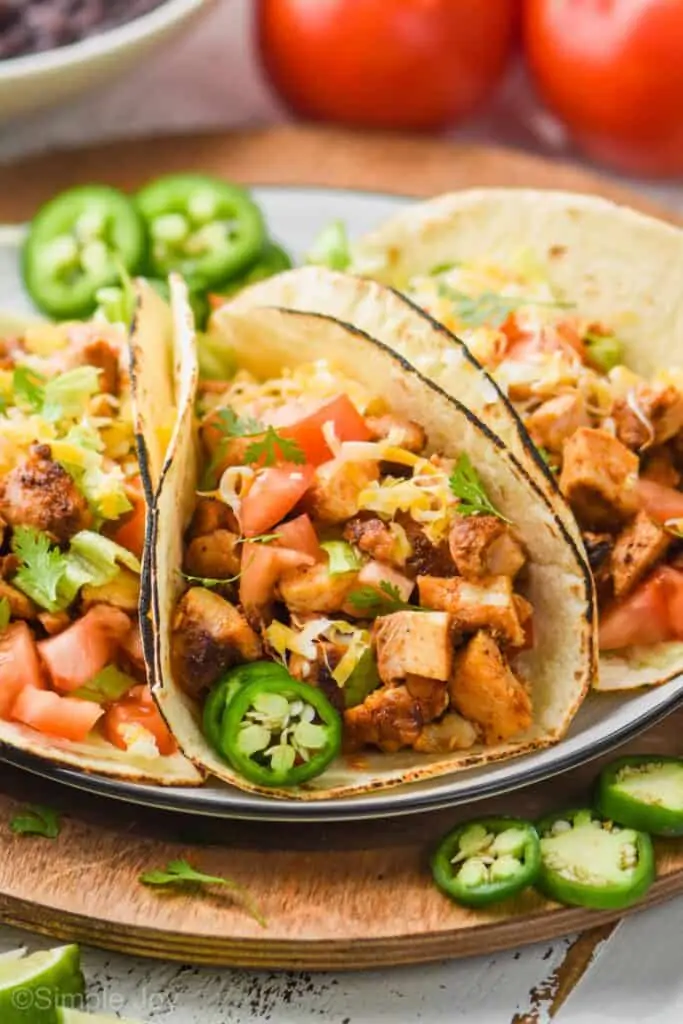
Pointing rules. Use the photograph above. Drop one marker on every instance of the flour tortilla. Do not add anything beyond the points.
(96, 754)
(619, 266)
(560, 667)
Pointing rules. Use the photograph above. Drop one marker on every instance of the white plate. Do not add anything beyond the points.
(295, 216)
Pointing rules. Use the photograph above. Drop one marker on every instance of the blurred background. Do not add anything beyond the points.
(596, 81)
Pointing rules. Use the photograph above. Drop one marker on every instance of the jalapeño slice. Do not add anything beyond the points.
(272, 729)
(589, 862)
(644, 793)
(487, 860)
(76, 245)
(273, 260)
(206, 229)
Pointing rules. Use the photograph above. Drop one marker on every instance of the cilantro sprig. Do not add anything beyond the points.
(272, 448)
(383, 601)
(489, 308)
(466, 485)
(181, 874)
(210, 581)
(42, 569)
(36, 820)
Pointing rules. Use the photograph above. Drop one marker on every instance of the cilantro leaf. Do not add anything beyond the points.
(230, 425)
(181, 873)
(466, 485)
(263, 538)
(489, 308)
(42, 568)
(274, 448)
(5, 613)
(28, 388)
(210, 581)
(370, 600)
(36, 820)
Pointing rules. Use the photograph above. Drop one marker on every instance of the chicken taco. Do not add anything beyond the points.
(360, 595)
(73, 679)
(572, 307)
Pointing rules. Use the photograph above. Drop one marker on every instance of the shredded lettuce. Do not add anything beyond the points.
(342, 557)
(5, 613)
(67, 394)
(109, 685)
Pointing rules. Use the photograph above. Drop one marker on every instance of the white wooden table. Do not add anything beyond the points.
(629, 973)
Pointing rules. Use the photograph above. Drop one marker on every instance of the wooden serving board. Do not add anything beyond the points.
(334, 896)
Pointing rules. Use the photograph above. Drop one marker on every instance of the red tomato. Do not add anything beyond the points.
(65, 717)
(643, 617)
(347, 422)
(659, 501)
(19, 664)
(274, 493)
(129, 530)
(138, 708)
(74, 657)
(612, 70)
(415, 64)
(262, 567)
(299, 535)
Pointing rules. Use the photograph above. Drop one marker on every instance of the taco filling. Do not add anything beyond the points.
(326, 540)
(613, 439)
(72, 525)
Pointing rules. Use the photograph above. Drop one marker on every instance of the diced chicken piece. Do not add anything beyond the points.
(123, 592)
(263, 565)
(413, 643)
(556, 420)
(333, 498)
(484, 689)
(215, 555)
(484, 546)
(55, 622)
(40, 493)
(319, 672)
(20, 606)
(598, 549)
(209, 635)
(431, 693)
(389, 718)
(378, 539)
(489, 604)
(639, 546)
(660, 468)
(598, 479)
(104, 356)
(210, 514)
(312, 589)
(8, 566)
(412, 436)
(427, 559)
(385, 580)
(131, 647)
(453, 732)
(648, 416)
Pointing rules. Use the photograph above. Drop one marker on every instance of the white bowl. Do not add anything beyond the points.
(41, 80)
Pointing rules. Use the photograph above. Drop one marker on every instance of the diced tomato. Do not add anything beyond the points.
(674, 600)
(524, 344)
(129, 530)
(74, 657)
(19, 664)
(138, 708)
(262, 567)
(643, 618)
(66, 717)
(274, 493)
(131, 646)
(299, 535)
(660, 502)
(347, 422)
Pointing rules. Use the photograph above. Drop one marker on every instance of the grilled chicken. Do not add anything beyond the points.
(431, 693)
(40, 493)
(20, 606)
(427, 559)
(648, 416)
(598, 549)
(312, 589)
(333, 498)
(390, 718)
(215, 555)
(377, 539)
(413, 643)
(208, 636)
(484, 546)
(122, 592)
(639, 546)
(319, 671)
(263, 565)
(598, 479)
(452, 732)
(105, 357)
(484, 690)
(487, 604)
(412, 436)
(211, 514)
(554, 422)
(55, 622)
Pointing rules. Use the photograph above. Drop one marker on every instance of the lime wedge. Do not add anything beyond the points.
(31, 986)
(12, 955)
(65, 1016)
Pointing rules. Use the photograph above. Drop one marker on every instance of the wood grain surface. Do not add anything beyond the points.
(334, 896)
